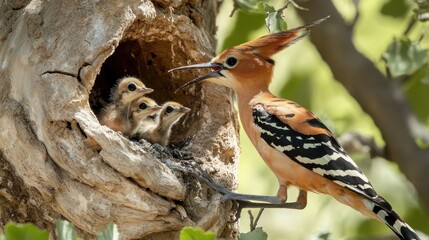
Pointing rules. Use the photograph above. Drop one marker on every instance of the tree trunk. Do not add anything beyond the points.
(58, 61)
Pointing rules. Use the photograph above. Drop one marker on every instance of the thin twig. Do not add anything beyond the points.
(257, 218)
(252, 227)
(410, 26)
(284, 7)
(354, 142)
(297, 6)
(235, 7)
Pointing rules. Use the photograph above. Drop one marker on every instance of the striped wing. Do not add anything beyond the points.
(297, 133)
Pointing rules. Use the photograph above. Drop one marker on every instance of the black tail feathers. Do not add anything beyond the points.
(392, 219)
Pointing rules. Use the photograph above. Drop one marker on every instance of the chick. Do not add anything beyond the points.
(142, 117)
(169, 115)
(115, 115)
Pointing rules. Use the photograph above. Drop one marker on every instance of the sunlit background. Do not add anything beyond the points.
(302, 76)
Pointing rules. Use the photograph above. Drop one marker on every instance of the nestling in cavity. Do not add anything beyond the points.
(169, 115)
(115, 115)
(142, 116)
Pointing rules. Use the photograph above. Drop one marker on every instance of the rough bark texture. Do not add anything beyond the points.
(58, 61)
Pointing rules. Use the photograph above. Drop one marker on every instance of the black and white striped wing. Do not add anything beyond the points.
(319, 153)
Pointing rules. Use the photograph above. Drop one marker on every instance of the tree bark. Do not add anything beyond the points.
(58, 61)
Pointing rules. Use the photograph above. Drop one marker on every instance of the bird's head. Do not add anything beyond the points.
(128, 89)
(142, 107)
(249, 64)
(171, 112)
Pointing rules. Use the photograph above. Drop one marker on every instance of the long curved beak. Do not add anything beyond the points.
(216, 67)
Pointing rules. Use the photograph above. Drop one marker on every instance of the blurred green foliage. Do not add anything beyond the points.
(64, 231)
(109, 233)
(256, 234)
(403, 57)
(302, 76)
(28, 231)
(195, 233)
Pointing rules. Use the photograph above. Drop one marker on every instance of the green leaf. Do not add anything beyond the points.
(109, 233)
(195, 233)
(257, 234)
(417, 93)
(404, 57)
(395, 8)
(274, 20)
(65, 230)
(250, 5)
(14, 231)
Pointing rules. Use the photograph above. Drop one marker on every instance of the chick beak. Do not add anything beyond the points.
(155, 109)
(185, 109)
(145, 90)
(216, 67)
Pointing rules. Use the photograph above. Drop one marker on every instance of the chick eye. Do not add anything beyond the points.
(142, 106)
(132, 87)
(231, 62)
(169, 109)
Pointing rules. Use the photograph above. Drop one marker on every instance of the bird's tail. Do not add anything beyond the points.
(383, 211)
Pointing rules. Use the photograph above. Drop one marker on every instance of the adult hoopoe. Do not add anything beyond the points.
(296, 146)
(115, 115)
(169, 115)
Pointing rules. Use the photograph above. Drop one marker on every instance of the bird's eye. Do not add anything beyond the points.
(142, 106)
(231, 62)
(169, 109)
(132, 87)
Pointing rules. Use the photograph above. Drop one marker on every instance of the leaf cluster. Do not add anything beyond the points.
(64, 231)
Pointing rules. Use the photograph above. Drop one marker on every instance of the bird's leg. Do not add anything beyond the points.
(228, 195)
(299, 204)
(282, 193)
(245, 200)
(268, 201)
(302, 199)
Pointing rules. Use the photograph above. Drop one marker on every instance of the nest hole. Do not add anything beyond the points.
(149, 62)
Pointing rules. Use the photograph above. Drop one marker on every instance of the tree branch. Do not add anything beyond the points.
(381, 98)
(354, 142)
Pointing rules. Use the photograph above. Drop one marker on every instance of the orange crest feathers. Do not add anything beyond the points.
(270, 44)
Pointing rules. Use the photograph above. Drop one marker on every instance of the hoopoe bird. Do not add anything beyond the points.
(115, 115)
(169, 115)
(298, 148)
(142, 116)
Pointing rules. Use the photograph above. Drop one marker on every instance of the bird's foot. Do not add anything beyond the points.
(246, 200)
(249, 204)
(228, 195)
